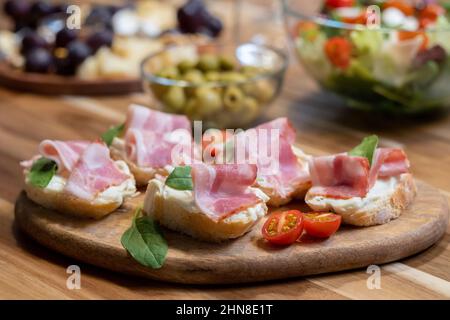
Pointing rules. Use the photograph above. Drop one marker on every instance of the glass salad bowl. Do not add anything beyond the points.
(225, 86)
(393, 58)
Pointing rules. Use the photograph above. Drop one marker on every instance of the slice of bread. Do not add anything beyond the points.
(55, 198)
(141, 175)
(377, 210)
(296, 191)
(176, 210)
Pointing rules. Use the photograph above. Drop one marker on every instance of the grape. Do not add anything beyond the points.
(16, 8)
(77, 52)
(41, 9)
(100, 39)
(63, 67)
(65, 36)
(101, 16)
(38, 60)
(193, 17)
(31, 40)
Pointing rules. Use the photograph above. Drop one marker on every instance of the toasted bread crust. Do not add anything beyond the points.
(195, 224)
(65, 203)
(385, 209)
(276, 200)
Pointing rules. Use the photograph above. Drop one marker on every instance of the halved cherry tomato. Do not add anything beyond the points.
(339, 51)
(407, 35)
(340, 3)
(401, 5)
(321, 224)
(431, 12)
(283, 228)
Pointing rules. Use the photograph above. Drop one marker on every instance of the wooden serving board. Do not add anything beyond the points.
(51, 84)
(246, 259)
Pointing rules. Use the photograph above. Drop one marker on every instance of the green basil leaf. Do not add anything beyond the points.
(366, 148)
(111, 133)
(180, 178)
(42, 172)
(145, 242)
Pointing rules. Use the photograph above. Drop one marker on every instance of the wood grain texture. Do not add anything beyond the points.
(247, 259)
(51, 84)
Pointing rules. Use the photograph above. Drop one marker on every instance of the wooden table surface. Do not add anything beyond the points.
(30, 271)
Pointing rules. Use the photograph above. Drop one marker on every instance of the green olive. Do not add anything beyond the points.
(226, 63)
(232, 76)
(232, 98)
(194, 76)
(169, 73)
(186, 65)
(212, 76)
(158, 90)
(174, 98)
(263, 90)
(208, 101)
(250, 71)
(191, 109)
(208, 62)
(250, 108)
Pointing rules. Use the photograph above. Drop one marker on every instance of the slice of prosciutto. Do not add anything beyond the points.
(142, 118)
(64, 153)
(94, 172)
(155, 139)
(223, 189)
(156, 150)
(342, 176)
(278, 166)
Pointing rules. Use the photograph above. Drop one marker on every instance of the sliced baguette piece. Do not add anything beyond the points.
(141, 175)
(177, 211)
(54, 197)
(297, 191)
(380, 210)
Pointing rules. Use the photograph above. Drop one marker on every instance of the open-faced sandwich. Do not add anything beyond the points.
(366, 186)
(209, 202)
(78, 178)
(152, 142)
(283, 172)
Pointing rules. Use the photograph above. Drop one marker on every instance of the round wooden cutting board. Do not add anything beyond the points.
(58, 85)
(246, 259)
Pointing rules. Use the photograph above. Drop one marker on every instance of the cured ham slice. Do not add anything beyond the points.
(222, 190)
(278, 169)
(342, 176)
(94, 172)
(389, 162)
(143, 118)
(64, 153)
(155, 139)
(156, 150)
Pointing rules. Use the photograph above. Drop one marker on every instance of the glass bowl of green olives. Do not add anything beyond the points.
(225, 86)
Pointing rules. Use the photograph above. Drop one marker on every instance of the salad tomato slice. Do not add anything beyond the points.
(321, 224)
(340, 3)
(283, 228)
(338, 51)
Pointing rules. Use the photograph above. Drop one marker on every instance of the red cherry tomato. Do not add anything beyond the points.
(401, 5)
(340, 3)
(321, 224)
(338, 51)
(283, 228)
(407, 35)
(431, 12)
